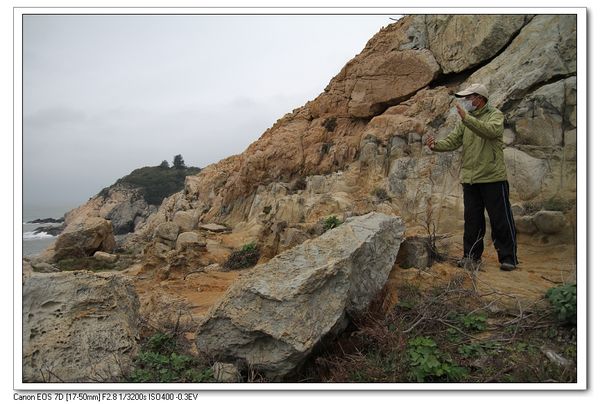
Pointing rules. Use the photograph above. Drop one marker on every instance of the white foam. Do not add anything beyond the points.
(30, 235)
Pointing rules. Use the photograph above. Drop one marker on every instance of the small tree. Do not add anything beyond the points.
(164, 164)
(178, 162)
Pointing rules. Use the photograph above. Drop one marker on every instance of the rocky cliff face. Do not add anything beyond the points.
(358, 146)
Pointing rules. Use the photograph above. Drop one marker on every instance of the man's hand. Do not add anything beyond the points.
(430, 142)
(461, 111)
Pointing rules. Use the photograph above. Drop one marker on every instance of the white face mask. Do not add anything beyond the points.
(467, 105)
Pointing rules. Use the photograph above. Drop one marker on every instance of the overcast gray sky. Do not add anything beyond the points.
(103, 95)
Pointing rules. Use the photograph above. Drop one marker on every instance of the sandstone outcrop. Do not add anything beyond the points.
(78, 327)
(366, 130)
(274, 316)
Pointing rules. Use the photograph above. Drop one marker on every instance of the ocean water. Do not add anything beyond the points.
(33, 244)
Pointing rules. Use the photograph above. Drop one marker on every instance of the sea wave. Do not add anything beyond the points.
(31, 235)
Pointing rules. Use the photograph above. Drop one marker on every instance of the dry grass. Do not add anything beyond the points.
(470, 333)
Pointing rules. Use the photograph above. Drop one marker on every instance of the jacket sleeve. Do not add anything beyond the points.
(490, 129)
(451, 142)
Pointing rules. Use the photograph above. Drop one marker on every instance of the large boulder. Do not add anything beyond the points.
(460, 42)
(78, 327)
(274, 316)
(83, 239)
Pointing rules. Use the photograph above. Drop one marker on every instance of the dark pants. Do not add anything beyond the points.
(493, 197)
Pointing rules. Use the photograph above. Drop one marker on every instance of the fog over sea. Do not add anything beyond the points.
(33, 244)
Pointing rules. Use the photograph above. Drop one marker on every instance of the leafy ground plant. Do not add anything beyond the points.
(159, 362)
(564, 302)
(428, 363)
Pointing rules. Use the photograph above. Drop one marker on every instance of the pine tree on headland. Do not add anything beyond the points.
(178, 162)
(164, 164)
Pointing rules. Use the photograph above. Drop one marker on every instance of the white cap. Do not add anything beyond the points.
(474, 88)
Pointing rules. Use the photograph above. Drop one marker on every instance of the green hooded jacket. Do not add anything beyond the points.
(480, 135)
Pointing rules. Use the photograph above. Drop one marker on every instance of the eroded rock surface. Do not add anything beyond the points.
(78, 327)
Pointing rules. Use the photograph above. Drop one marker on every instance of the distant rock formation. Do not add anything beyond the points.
(47, 220)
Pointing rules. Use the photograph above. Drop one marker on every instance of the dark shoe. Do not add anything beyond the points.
(468, 263)
(507, 266)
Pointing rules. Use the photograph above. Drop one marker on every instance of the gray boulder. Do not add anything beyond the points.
(550, 222)
(273, 317)
(78, 327)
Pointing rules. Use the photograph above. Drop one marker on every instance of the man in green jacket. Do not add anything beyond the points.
(483, 177)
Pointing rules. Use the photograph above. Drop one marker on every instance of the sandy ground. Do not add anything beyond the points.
(541, 266)
(187, 298)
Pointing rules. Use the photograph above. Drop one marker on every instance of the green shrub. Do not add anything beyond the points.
(155, 183)
(245, 257)
(564, 302)
(249, 247)
(159, 362)
(331, 222)
(428, 362)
